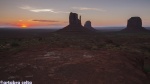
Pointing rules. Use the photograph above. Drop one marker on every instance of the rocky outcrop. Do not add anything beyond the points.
(73, 19)
(89, 25)
(134, 24)
(74, 24)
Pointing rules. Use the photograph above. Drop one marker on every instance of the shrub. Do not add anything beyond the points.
(15, 44)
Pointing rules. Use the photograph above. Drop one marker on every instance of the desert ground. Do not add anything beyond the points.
(75, 58)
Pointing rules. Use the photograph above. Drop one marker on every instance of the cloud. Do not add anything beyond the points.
(37, 10)
(45, 20)
(86, 8)
(43, 10)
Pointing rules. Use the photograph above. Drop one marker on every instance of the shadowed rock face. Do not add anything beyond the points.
(134, 24)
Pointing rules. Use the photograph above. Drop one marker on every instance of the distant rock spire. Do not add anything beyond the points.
(80, 20)
(80, 17)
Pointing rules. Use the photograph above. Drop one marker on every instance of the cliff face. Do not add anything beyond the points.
(134, 24)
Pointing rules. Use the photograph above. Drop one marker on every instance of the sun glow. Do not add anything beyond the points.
(24, 26)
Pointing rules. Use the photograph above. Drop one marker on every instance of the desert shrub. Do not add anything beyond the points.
(14, 44)
(147, 70)
(94, 47)
(40, 39)
(19, 39)
(145, 48)
(109, 41)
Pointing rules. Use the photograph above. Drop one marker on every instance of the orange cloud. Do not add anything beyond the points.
(45, 20)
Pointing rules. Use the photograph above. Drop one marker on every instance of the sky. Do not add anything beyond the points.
(55, 13)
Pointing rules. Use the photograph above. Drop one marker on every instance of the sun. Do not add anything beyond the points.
(24, 26)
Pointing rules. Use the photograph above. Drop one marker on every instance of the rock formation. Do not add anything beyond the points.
(74, 24)
(88, 25)
(134, 24)
(73, 19)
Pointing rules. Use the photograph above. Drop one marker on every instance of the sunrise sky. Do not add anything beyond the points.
(55, 13)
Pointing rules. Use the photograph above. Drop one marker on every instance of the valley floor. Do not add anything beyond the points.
(77, 59)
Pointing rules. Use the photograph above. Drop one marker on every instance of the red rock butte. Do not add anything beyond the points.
(134, 24)
(88, 25)
(75, 24)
